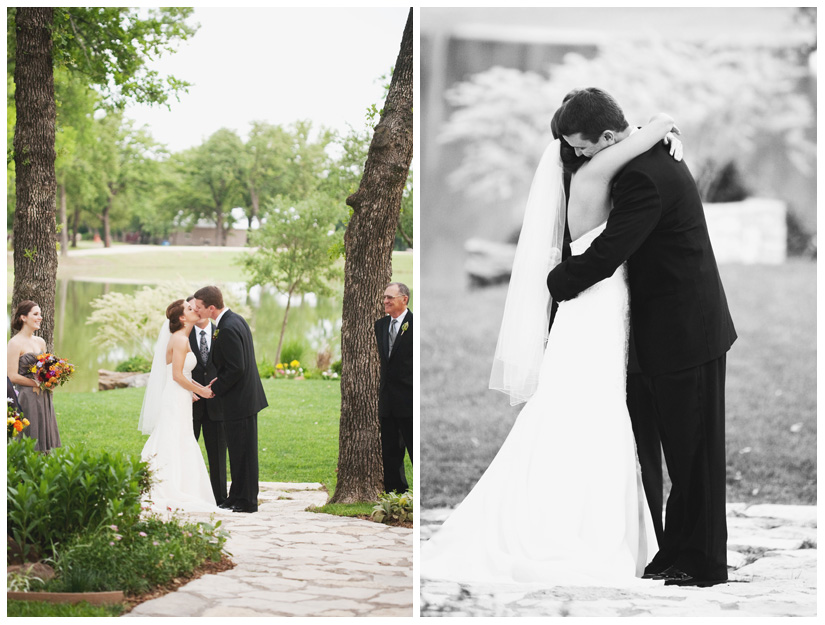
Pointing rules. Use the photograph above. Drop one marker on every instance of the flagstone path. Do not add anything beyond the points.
(290, 562)
(771, 556)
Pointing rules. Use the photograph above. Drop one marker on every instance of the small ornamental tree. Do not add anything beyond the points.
(295, 251)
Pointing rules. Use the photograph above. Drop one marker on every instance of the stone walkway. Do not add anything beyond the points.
(771, 557)
(290, 562)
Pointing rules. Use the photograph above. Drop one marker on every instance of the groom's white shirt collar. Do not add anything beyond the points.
(218, 320)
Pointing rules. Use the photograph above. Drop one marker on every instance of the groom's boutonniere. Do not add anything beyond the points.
(404, 327)
(215, 333)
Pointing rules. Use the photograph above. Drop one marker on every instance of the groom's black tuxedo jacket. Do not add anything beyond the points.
(679, 313)
(395, 395)
(204, 373)
(238, 389)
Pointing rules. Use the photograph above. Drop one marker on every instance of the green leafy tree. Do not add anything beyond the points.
(294, 253)
(281, 161)
(79, 178)
(109, 46)
(213, 181)
(127, 159)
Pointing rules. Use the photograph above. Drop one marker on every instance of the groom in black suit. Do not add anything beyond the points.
(205, 413)
(394, 338)
(239, 395)
(680, 332)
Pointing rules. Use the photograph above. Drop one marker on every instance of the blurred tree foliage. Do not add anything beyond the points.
(726, 99)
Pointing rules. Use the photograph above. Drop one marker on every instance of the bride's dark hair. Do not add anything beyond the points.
(173, 313)
(570, 162)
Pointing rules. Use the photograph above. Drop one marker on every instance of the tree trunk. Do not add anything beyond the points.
(218, 226)
(283, 327)
(64, 226)
(75, 225)
(107, 210)
(253, 194)
(368, 268)
(35, 253)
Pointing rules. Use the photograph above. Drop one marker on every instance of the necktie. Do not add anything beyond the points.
(392, 333)
(204, 349)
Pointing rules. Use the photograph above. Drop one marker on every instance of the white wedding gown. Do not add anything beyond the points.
(180, 478)
(561, 504)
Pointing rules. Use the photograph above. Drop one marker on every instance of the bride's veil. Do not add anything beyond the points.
(525, 326)
(150, 410)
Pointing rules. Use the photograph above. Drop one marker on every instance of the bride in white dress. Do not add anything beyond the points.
(180, 479)
(562, 502)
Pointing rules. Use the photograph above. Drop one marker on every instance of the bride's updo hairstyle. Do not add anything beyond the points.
(570, 162)
(173, 313)
(23, 310)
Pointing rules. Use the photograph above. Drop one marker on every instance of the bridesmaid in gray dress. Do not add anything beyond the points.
(22, 352)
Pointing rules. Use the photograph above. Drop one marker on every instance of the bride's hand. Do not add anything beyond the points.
(195, 397)
(206, 393)
(675, 143)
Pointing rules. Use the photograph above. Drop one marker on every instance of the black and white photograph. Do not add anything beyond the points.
(618, 320)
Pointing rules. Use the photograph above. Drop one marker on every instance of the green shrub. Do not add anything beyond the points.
(53, 497)
(137, 557)
(293, 350)
(336, 367)
(137, 364)
(393, 507)
(266, 370)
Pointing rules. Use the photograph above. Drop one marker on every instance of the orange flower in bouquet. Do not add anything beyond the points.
(15, 421)
(50, 371)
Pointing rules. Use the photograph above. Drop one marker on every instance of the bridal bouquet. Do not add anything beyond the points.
(51, 371)
(16, 421)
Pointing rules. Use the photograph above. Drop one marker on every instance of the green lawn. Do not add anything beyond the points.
(771, 387)
(297, 433)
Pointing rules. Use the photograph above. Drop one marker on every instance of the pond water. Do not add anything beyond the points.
(312, 320)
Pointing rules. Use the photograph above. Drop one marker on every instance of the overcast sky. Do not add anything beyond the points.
(277, 65)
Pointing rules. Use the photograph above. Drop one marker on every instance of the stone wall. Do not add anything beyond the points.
(751, 231)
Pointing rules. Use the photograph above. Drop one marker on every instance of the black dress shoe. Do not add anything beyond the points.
(226, 504)
(242, 509)
(672, 574)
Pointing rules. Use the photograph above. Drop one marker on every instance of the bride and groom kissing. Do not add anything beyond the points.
(203, 374)
(615, 334)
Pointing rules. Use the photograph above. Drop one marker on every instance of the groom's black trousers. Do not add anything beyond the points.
(242, 443)
(686, 410)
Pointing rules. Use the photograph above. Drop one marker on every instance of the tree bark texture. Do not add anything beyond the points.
(35, 253)
(368, 269)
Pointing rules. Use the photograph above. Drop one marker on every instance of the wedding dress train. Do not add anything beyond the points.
(180, 478)
(561, 504)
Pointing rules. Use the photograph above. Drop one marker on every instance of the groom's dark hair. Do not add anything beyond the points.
(210, 296)
(590, 112)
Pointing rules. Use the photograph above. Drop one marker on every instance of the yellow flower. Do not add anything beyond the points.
(33, 369)
(26, 422)
(294, 364)
(279, 366)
